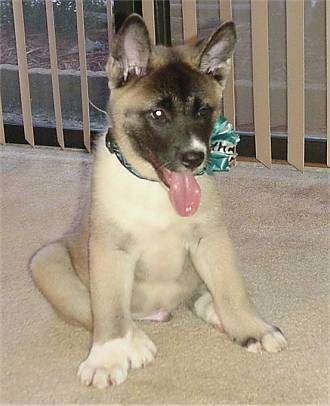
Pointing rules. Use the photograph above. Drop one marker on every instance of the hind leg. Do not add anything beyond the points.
(203, 307)
(54, 275)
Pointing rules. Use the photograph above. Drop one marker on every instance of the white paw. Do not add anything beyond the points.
(108, 364)
(143, 350)
(272, 341)
(101, 377)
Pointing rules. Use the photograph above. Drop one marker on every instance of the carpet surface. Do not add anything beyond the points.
(278, 220)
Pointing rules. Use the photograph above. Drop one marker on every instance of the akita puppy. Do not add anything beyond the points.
(153, 235)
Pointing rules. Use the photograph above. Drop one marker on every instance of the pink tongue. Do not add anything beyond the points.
(185, 192)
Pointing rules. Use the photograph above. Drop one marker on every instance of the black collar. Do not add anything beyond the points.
(114, 149)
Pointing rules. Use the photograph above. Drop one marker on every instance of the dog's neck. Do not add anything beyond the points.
(114, 149)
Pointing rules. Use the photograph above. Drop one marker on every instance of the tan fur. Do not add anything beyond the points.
(133, 254)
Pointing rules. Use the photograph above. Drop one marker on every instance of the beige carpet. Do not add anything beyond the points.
(279, 224)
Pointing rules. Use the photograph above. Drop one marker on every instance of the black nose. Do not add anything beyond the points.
(192, 159)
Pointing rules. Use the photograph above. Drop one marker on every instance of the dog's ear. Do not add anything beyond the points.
(130, 52)
(216, 53)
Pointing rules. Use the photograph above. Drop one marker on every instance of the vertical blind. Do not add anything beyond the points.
(260, 69)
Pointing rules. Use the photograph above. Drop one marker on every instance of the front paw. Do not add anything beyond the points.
(101, 376)
(271, 340)
(108, 364)
(143, 350)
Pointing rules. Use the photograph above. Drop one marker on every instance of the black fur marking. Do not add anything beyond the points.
(218, 77)
(165, 103)
(246, 343)
(277, 329)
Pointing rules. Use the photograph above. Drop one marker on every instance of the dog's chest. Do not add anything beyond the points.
(162, 255)
(142, 209)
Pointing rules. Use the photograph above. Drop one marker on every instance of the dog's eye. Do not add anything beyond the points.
(204, 112)
(158, 114)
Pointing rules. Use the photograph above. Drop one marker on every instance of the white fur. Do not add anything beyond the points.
(198, 145)
(274, 341)
(254, 347)
(108, 364)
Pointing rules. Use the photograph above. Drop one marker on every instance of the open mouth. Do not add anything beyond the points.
(184, 190)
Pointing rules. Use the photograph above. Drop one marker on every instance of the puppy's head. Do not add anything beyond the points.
(164, 101)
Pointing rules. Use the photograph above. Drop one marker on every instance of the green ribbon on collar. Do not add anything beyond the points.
(223, 143)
